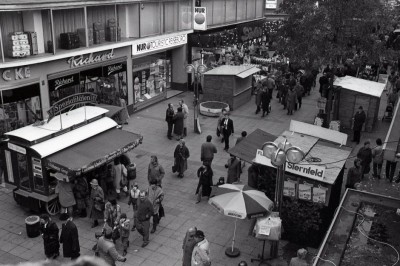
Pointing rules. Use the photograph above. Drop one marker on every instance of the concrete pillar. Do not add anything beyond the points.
(33, 22)
(179, 76)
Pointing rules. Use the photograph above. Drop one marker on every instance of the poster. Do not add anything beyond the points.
(305, 191)
(289, 188)
(319, 194)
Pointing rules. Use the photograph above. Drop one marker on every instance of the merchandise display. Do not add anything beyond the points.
(69, 40)
(19, 44)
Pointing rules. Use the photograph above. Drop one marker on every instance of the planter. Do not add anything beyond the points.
(212, 108)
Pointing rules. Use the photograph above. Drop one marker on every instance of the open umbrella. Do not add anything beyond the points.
(240, 201)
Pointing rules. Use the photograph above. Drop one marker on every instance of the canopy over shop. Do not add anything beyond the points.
(353, 93)
(72, 144)
(311, 188)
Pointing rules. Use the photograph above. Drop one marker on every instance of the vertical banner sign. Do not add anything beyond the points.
(200, 18)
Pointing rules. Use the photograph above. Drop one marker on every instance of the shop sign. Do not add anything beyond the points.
(84, 60)
(158, 43)
(250, 31)
(270, 4)
(316, 172)
(114, 69)
(16, 73)
(67, 81)
(200, 18)
(16, 148)
(67, 102)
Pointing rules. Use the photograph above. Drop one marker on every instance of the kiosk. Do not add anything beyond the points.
(69, 144)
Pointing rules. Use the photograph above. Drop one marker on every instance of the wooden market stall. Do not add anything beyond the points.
(355, 92)
(229, 84)
(65, 146)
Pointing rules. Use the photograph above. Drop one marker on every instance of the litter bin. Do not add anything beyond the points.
(32, 226)
(131, 171)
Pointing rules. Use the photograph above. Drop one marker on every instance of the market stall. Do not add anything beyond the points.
(311, 188)
(70, 144)
(229, 84)
(353, 93)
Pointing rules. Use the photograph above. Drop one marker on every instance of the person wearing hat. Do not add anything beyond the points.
(106, 249)
(70, 239)
(124, 226)
(201, 251)
(144, 213)
(358, 122)
(300, 260)
(96, 203)
(49, 231)
(188, 245)
(133, 199)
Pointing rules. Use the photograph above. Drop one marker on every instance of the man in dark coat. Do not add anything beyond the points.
(49, 230)
(144, 213)
(205, 175)
(207, 151)
(227, 129)
(181, 154)
(365, 154)
(358, 121)
(234, 170)
(265, 100)
(70, 240)
(323, 84)
(178, 121)
(169, 117)
(291, 100)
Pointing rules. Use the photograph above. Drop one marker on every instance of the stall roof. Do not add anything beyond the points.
(304, 142)
(241, 71)
(360, 85)
(72, 137)
(31, 133)
(247, 148)
(94, 152)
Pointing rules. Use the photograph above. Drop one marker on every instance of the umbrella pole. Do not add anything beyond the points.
(232, 251)
(234, 235)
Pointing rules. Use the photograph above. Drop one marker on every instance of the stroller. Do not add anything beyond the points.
(388, 112)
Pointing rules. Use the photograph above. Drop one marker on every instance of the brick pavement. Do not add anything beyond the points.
(181, 210)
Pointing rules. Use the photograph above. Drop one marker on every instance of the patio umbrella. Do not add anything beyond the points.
(240, 201)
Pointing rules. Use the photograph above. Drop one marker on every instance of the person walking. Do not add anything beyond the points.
(65, 193)
(188, 245)
(291, 99)
(119, 173)
(181, 154)
(265, 101)
(179, 123)
(49, 231)
(207, 151)
(300, 260)
(390, 169)
(358, 122)
(112, 213)
(299, 93)
(219, 127)
(124, 228)
(155, 171)
(377, 158)
(144, 213)
(69, 238)
(323, 84)
(227, 129)
(258, 93)
(106, 249)
(155, 196)
(133, 200)
(365, 154)
(205, 175)
(169, 118)
(234, 170)
(96, 209)
(81, 193)
(201, 251)
(354, 174)
(185, 111)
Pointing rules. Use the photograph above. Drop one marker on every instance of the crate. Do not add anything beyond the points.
(69, 40)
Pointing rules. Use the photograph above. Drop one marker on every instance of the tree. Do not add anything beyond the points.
(328, 31)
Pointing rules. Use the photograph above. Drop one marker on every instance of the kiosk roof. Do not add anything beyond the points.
(360, 85)
(242, 71)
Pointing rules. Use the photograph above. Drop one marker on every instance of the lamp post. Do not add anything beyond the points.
(196, 73)
(279, 154)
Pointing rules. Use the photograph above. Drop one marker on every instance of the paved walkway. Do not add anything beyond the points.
(165, 246)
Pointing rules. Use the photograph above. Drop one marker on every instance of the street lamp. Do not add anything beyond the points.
(279, 154)
(196, 72)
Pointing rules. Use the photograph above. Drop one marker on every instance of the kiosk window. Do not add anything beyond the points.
(10, 174)
(23, 171)
(38, 182)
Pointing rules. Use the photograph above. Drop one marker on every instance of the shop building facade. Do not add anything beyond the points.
(133, 51)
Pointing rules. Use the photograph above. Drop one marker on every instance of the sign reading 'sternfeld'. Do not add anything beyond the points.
(69, 101)
(310, 171)
(158, 43)
(200, 18)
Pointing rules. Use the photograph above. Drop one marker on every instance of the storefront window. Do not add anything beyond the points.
(19, 107)
(128, 20)
(230, 10)
(150, 21)
(23, 171)
(151, 76)
(170, 16)
(102, 25)
(185, 8)
(66, 25)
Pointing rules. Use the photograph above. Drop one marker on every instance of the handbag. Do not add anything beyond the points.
(115, 234)
(161, 212)
(218, 132)
(174, 168)
(99, 205)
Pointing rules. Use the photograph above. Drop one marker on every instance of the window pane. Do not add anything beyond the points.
(149, 19)
(208, 4)
(10, 22)
(128, 20)
(241, 10)
(170, 16)
(218, 12)
(259, 9)
(251, 9)
(23, 171)
(230, 10)
(104, 16)
(67, 21)
(185, 11)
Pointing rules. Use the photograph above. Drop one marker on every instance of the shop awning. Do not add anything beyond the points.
(93, 152)
(247, 148)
